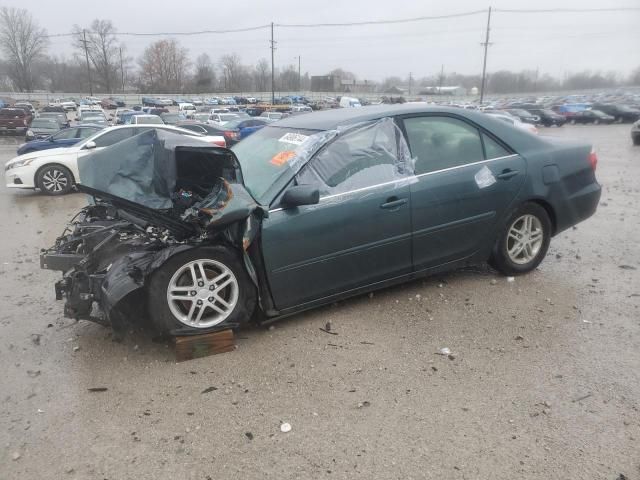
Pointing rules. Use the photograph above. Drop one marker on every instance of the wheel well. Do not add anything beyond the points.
(73, 180)
(549, 209)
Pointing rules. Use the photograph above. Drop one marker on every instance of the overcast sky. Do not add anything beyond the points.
(556, 43)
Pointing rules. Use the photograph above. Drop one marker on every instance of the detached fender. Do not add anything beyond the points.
(128, 274)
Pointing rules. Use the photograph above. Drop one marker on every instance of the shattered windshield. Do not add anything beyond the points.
(267, 155)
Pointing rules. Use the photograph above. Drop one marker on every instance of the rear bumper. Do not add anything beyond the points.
(579, 206)
(5, 129)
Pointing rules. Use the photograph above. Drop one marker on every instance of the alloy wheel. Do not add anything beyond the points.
(524, 239)
(54, 180)
(202, 293)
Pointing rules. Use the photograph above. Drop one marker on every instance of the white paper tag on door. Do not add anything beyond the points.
(484, 178)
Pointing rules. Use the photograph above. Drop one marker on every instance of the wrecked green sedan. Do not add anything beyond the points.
(310, 210)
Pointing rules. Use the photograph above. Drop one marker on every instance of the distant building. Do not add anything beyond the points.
(333, 83)
(442, 91)
(325, 83)
(357, 86)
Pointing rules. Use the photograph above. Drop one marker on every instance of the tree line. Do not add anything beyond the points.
(100, 63)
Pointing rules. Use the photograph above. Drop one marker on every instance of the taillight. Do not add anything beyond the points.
(219, 143)
(593, 159)
(230, 134)
(26, 124)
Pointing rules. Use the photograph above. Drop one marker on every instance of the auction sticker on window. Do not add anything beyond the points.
(295, 138)
(484, 178)
(282, 158)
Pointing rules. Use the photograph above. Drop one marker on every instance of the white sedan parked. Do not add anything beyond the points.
(54, 171)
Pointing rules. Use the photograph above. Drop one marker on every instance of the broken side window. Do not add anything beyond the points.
(361, 156)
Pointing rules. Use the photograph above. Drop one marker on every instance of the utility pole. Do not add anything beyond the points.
(121, 70)
(441, 79)
(410, 82)
(299, 74)
(86, 55)
(273, 75)
(486, 44)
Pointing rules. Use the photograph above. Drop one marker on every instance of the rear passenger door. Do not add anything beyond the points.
(467, 181)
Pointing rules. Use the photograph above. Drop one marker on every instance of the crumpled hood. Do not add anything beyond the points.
(171, 180)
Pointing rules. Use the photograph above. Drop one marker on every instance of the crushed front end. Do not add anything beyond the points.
(100, 250)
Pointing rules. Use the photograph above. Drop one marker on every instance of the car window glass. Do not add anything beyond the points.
(493, 149)
(363, 158)
(65, 134)
(112, 137)
(85, 132)
(442, 142)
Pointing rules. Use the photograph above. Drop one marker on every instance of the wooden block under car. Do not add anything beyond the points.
(196, 346)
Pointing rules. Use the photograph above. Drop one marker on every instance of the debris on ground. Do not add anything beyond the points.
(627, 267)
(76, 348)
(328, 331)
(444, 351)
(285, 427)
(249, 435)
(511, 279)
(364, 404)
(493, 281)
(584, 397)
(209, 389)
(35, 338)
(97, 389)
(519, 338)
(15, 456)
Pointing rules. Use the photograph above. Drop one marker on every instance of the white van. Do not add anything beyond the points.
(346, 102)
(186, 108)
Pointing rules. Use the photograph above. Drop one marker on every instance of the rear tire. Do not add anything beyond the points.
(523, 242)
(54, 180)
(636, 140)
(220, 294)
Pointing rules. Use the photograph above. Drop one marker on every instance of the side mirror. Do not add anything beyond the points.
(301, 195)
(90, 145)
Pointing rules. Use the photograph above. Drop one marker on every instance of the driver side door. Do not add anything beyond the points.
(358, 234)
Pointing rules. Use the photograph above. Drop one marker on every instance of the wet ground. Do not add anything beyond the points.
(544, 382)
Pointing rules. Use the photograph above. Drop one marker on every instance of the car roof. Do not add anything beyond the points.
(329, 119)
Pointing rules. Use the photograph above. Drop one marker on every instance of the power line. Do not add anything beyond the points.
(363, 23)
(569, 10)
(174, 34)
(379, 22)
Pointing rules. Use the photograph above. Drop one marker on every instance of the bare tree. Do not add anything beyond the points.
(231, 72)
(103, 49)
(23, 42)
(163, 67)
(262, 72)
(204, 78)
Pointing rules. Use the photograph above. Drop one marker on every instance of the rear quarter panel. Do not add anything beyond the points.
(559, 173)
(561, 177)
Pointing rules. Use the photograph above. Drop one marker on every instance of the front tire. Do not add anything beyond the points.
(523, 242)
(54, 180)
(201, 289)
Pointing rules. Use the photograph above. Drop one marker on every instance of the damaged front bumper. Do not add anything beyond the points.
(104, 261)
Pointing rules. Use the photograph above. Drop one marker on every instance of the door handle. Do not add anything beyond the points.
(393, 202)
(507, 174)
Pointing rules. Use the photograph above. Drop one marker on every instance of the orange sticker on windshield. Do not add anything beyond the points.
(282, 157)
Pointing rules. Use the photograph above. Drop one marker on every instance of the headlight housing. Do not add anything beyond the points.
(19, 163)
